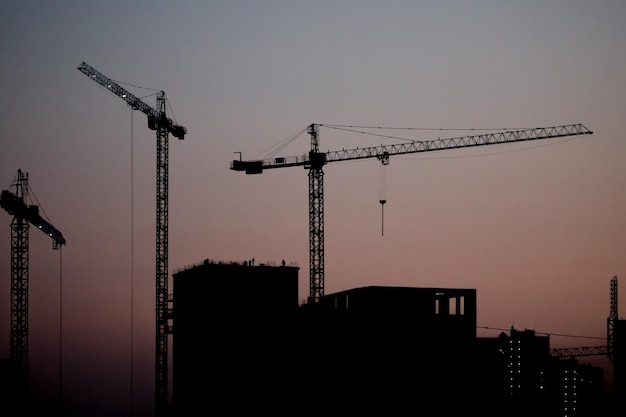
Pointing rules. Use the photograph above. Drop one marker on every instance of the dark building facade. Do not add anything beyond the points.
(522, 378)
(388, 351)
(619, 365)
(243, 346)
(521, 370)
(232, 324)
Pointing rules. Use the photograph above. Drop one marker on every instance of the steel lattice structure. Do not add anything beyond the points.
(15, 203)
(162, 193)
(610, 321)
(19, 297)
(316, 222)
(315, 160)
(163, 125)
(579, 351)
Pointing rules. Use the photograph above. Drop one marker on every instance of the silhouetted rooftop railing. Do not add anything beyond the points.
(247, 262)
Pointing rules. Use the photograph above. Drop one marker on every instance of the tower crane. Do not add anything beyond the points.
(24, 215)
(607, 350)
(315, 160)
(163, 125)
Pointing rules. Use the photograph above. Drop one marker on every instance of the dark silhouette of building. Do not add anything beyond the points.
(391, 351)
(524, 379)
(17, 402)
(519, 368)
(619, 366)
(244, 346)
(232, 325)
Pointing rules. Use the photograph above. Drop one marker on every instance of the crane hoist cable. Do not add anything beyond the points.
(61, 330)
(132, 255)
(382, 173)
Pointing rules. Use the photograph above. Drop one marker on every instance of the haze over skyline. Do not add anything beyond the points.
(536, 228)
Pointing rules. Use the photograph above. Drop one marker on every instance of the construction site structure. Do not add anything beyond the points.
(16, 203)
(614, 349)
(315, 160)
(163, 125)
(603, 350)
(610, 321)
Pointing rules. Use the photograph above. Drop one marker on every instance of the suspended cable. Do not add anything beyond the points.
(136, 86)
(132, 260)
(34, 200)
(382, 178)
(155, 91)
(169, 106)
(370, 134)
(421, 128)
(547, 333)
(350, 128)
(281, 145)
(61, 330)
(147, 95)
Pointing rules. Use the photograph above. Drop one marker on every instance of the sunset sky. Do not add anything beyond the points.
(538, 228)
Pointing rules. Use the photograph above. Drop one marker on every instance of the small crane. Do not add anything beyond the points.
(15, 203)
(607, 350)
(157, 120)
(315, 160)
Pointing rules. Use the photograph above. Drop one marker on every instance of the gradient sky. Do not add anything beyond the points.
(538, 228)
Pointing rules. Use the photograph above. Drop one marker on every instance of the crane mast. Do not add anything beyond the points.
(315, 160)
(316, 219)
(610, 321)
(609, 348)
(15, 203)
(163, 125)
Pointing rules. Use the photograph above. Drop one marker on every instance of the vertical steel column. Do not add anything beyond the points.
(316, 219)
(610, 322)
(19, 286)
(161, 355)
(19, 298)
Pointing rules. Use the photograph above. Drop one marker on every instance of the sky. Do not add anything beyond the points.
(536, 228)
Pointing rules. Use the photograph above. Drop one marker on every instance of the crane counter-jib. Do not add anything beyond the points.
(318, 159)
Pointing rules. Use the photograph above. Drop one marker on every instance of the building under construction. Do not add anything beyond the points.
(232, 326)
(244, 346)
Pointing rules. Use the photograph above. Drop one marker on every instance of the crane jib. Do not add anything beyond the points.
(16, 206)
(315, 160)
(156, 119)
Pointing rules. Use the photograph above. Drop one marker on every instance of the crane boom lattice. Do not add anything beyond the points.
(315, 160)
